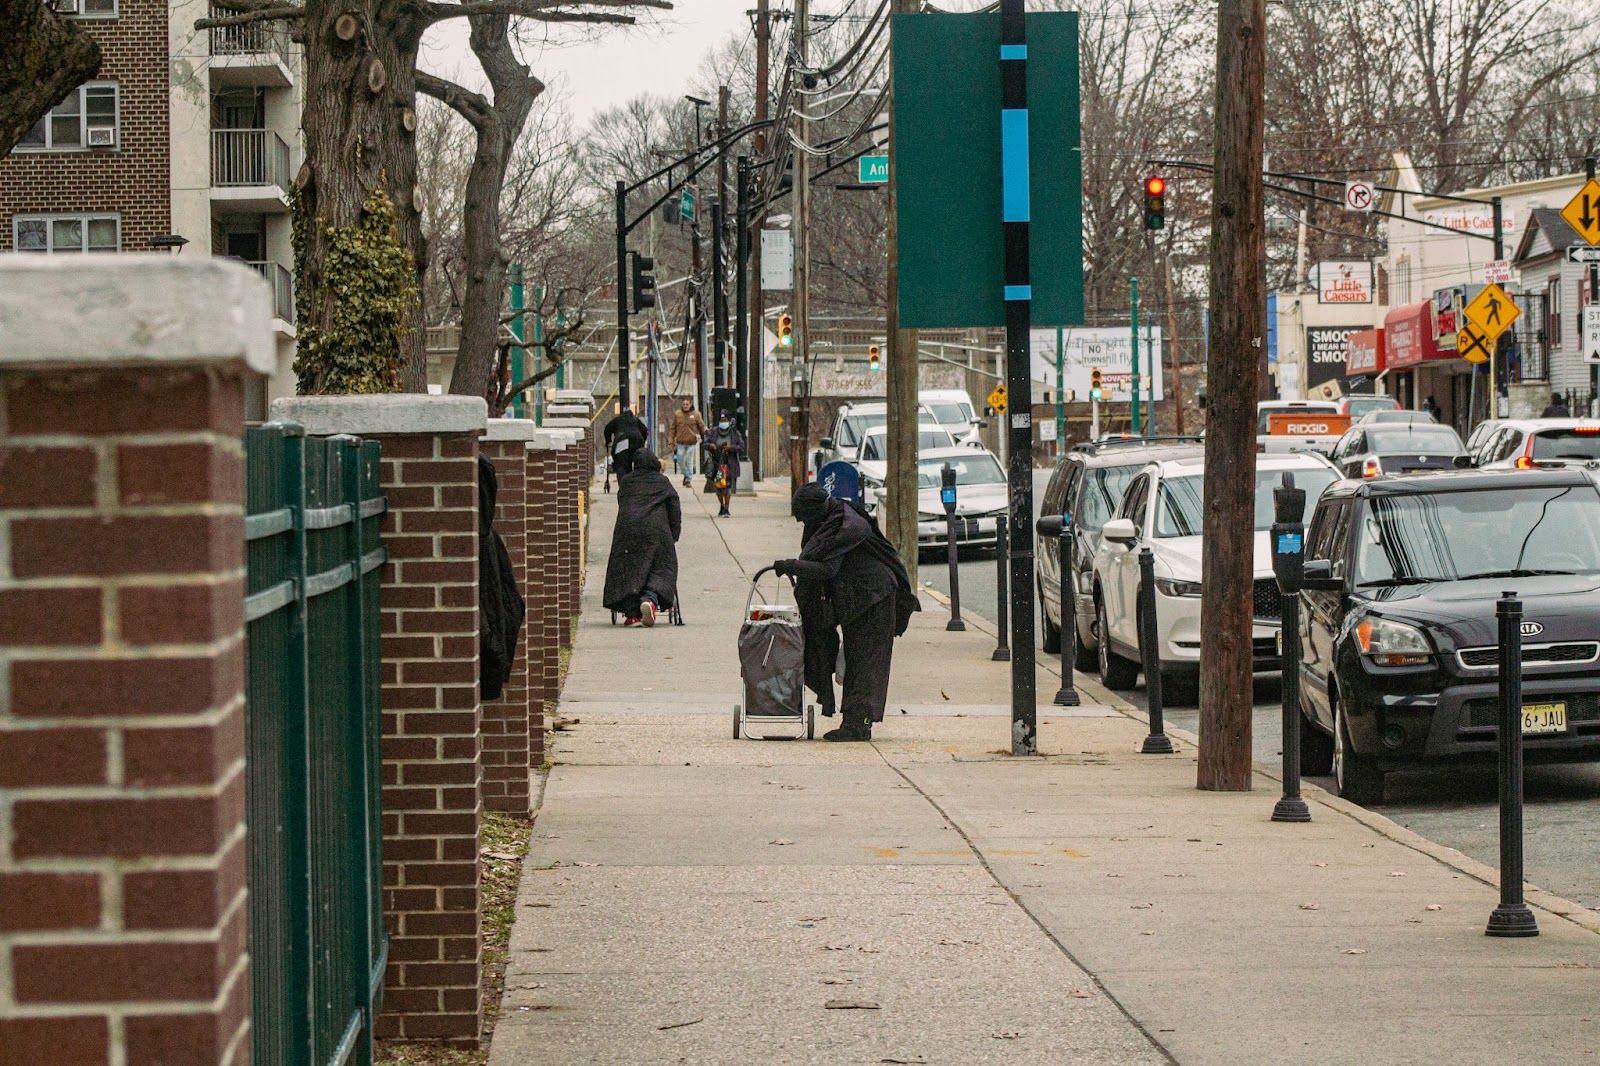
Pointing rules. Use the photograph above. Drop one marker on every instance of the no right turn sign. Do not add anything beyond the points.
(1358, 196)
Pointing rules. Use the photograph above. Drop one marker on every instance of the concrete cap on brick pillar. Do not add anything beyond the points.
(386, 415)
(577, 424)
(115, 311)
(511, 429)
(553, 439)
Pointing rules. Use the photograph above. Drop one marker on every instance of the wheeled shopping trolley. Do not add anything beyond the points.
(772, 663)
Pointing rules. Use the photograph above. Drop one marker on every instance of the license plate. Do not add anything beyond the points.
(1544, 718)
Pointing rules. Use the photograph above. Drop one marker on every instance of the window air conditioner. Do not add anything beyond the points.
(102, 137)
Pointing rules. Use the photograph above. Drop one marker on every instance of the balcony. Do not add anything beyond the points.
(249, 56)
(249, 171)
(282, 282)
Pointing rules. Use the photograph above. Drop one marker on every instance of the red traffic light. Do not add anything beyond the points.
(1155, 185)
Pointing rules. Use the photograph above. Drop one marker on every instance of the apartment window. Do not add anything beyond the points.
(1402, 280)
(85, 119)
(66, 233)
(1553, 305)
(89, 9)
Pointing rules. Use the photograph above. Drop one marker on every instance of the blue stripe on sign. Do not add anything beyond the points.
(1019, 292)
(1014, 198)
(1013, 51)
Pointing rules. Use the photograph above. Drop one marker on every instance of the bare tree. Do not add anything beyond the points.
(43, 57)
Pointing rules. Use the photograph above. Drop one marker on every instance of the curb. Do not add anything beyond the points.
(1549, 902)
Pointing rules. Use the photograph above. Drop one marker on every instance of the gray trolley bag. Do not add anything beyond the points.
(772, 662)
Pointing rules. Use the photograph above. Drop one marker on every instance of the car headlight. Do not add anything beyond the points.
(1389, 643)
(1170, 587)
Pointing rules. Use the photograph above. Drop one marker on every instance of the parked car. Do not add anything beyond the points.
(1087, 486)
(952, 409)
(981, 496)
(1481, 433)
(1316, 432)
(850, 426)
(1522, 444)
(1385, 415)
(874, 456)
(1162, 509)
(1358, 406)
(1400, 640)
(1365, 451)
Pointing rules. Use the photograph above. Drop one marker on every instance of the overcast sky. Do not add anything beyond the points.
(594, 69)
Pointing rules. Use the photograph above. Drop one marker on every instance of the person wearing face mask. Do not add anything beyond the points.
(853, 592)
(724, 448)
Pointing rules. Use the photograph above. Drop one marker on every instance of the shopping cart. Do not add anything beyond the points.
(772, 664)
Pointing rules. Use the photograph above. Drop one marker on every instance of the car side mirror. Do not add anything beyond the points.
(1120, 531)
(1318, 577)
(1463, 462)
(1052, 525)
(826, 442)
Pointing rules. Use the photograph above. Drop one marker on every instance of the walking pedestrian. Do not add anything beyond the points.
(1557, 408)
(501, 608)
(625, 435)
(686, 431)
(724, 449)
(1430, 407)
(853, 593)
(642, 571)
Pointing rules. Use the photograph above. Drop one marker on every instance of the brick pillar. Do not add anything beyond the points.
(544, 651)
(432, 751)
(123, 917)
(506, 721)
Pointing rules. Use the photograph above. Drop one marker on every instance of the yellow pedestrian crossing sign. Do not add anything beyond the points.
(1472, 345)
(1583, 212)
(997, 398)
(1492, 312)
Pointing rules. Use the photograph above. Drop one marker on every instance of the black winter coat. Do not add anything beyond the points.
(500, 605)
(644, 555)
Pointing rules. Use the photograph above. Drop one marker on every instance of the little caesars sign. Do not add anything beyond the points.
(1344, 282)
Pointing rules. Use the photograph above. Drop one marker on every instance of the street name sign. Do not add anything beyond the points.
(1492, 311)
(1497, 272)
(873, 169)
(1583, 212)
(1591, 334)
(1473, 345)
(1580, 253)
(1359, 196)
(686, 205)
(997, 398)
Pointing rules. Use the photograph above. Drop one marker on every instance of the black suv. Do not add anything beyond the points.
(1087, 486)
(1399, 646)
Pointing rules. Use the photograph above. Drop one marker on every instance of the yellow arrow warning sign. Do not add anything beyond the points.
(1583, 212)
(1492, 311)
(1472, 345)
(997, 398)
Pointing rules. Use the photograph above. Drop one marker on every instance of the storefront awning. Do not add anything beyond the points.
(1408, 336)
(1367, 354)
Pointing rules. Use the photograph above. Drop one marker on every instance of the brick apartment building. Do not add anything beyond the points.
(184, 133)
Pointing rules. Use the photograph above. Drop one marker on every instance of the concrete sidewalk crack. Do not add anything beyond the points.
(983, 861)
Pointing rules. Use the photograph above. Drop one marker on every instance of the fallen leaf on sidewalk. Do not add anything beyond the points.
(1319, 864)
(1148, 932)
(837, 947)
(1081, 993)
(918, 1061)
(1119, 839)
(1397, 873)
(1142, 906)
(1114, 875)
(870, 951)
(780, 842)
(586, 864)
(679, 1025)
(1433, 907)
(838, 980)
(1006, 1035)
(538, 904)
(504, 856)
(812, 918)
(1353, 951)
(850, 1004)
(945, 694)
(1311, 906)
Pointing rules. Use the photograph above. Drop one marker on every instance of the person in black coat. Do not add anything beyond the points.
(500, 605)
(1557, 407)
(625, 438)
(854, 593)
(642, 572)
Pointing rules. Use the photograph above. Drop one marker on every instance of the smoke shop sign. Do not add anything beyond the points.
(1345, 282)
(1327, 348)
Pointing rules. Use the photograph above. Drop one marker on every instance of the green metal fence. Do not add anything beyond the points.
(317, 943)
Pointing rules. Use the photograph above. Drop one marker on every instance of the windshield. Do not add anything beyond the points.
(1499, 532)
(1264, 414)
(935, 438)
(979, 468)
(1360, 405)
(1102, 492)
(1580, 443)
(1179, 507)
(854, 427)
(1385, 439)
(950, 414)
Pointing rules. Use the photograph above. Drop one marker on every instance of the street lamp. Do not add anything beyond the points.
(698, 104)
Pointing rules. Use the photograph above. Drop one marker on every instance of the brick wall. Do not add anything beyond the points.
(123, 923)
(132, 179)
(506, 721)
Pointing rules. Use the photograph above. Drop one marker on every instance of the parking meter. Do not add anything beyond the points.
(947, 489)
(1289, 535)
(947, 497)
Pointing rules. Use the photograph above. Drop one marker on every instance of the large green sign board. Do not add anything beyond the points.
(947, 170)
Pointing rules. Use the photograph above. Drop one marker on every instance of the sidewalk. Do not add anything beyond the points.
(691, 898)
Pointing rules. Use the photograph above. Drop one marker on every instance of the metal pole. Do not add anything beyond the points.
(1512, 917)
(756, 398)
(1494, 356)
(800, 379)
(1061, 401)
(1291, 807)
(1594, 300)
(1016, 211)
(622, 295)
(1133, 315)
(1157, 743)
(947, 498)
(741, 302)
(1067, 694)
(519, 330)
(719, 300)
(1002, 651)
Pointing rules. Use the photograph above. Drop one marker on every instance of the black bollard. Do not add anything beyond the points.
(947, 496)
(1288, 538)
(1060, 527)
(1512, 917)
(1002, 559)
(1157, 743)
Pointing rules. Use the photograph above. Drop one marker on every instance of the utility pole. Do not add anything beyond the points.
(1172, 345)
(800, 373)
(622, 294)
(719, 246)
(741, 300)
(900, 481)
(1238, 366)
(756, 427)
(1594, 297)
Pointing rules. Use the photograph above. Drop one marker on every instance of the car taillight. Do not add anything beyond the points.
(1525, 460)
(1586, 431)
(1371, 468)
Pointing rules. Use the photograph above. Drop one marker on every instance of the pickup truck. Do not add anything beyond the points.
(1299, 426)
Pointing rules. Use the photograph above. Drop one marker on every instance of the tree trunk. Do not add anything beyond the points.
(1238, 355)
(360, 97)
(46, 57)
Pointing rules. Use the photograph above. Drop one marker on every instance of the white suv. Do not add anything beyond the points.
(1162, 508)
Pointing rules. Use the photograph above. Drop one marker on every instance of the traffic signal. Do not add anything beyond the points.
(1155, 202)
(874, 357)
(786, 330)
(1096, 392)
(644, 282)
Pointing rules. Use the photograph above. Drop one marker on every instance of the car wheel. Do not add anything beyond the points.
(1180, 688)
(1116, 672)
(1049, 633)
(1084, 660)
(1316, 747)
(1359, 779)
